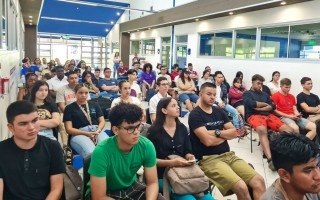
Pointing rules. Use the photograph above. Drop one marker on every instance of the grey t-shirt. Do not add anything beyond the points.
(273, 193)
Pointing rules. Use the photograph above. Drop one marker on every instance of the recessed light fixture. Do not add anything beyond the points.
(107, 30)
(118, 13)
(30, 20)
(30, 17)
(196, 20)
(30, 23)
(230, 13)
(283, 3)
(112, 22)
(77, 8)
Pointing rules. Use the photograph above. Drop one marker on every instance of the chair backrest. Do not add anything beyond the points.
(148, 117)
(86, 175)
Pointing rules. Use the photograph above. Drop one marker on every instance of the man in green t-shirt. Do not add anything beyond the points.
(115, 161)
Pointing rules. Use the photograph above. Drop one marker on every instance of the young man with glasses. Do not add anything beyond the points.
(31, 165)
(115, 161)
(162, 87)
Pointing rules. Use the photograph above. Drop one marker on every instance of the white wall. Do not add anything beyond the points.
(294, 69)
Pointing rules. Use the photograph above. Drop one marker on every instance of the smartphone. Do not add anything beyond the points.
(192, 161)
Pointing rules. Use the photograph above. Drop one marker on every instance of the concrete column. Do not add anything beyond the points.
(30, 41)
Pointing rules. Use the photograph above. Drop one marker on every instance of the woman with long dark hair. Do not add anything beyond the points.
(87, 79)
(274, 85)
(84, 122)
(235, 95)
(48, 113)
(186, 89)
(24, 92)
(148, 79)
(169, 136)
(239, 74)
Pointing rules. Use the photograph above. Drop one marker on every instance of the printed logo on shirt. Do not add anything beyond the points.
(93, 111)
(214, 125)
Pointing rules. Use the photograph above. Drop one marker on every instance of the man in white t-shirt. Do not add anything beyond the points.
(135, 88)
(57, 81)
(162, 87)
(66, 96)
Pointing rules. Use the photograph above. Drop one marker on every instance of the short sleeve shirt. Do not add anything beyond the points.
(74, 114)
(109, 82)
(55, 83)
(215, 120)
(284, 103)
(26, 173)
(311, 100)
(186, 83)
(118, 167)
(65, 95)
(149, 78)
(116, 101)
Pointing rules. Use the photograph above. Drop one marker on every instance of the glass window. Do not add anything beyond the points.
(86, 42)
(206, 44)
(182, 39)
(74, 52)
(148, 47)
(274, 42)
(4, 25)
(135, 47)
(305, 41)
(223, 44)
(166, 40)
(245, 46)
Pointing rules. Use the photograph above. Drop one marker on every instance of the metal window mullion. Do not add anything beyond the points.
(258, 42)
(288, 48)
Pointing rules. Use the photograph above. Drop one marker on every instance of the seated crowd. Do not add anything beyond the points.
(62, 107)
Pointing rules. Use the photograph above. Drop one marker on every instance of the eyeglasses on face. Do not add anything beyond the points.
(130, 129)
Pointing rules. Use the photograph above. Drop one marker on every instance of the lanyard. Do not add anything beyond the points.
(86, 112)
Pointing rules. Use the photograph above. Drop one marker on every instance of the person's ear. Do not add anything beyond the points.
(284, 175)
(164, 111)
(10, 127)
(115, 130)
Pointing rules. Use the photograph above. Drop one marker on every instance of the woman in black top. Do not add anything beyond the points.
(84, 122)
(87, 79)
(24, 92)
(48, 113)
(169, 136)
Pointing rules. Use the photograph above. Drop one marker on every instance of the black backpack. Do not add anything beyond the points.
(104, 103)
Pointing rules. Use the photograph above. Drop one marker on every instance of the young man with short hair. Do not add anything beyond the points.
(295, 158)
(193, 74)
(31, 165)
(108, 86)
(210, 130)
(136, 66)
(96, 78)
(57, 81)
(174, 73)
(308, 103)
(115, 161)
(287, 110)
(162, 87)
(66, 96)
(135, 90)
(258, 113)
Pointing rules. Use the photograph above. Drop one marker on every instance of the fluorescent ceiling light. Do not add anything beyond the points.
(75, 20)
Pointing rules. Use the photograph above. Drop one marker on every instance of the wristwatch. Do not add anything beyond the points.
(217, 133)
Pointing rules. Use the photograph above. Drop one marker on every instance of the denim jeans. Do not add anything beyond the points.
(47, 133)
(115, 69)
(236, 119)
(83, 145)
(112, 94)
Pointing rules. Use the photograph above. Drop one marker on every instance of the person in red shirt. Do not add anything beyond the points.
(174, 72)
(287, 110)
(193, 74)
(122, 71)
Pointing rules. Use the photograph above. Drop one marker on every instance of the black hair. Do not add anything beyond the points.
(71, 64)
(145, 66)
(189, 64)
(273, 73)
(131, 71)
(77, 70)
(121, 84)
(289, 150)
(135, 63)
(105, 69)
(175, 66)
(78, 86)
(35, 89)
(29, 75)
(204, 73)
(84, 74)
(235, 80)
(59, 67)
(97, 70)
(182, 76)
(257, 77)
(124, 112)
(79, 64)
(304, 80)
(161, 78)
(239, 74)
(72, 72)
(19, 108)
(207, 84)
(157, 126)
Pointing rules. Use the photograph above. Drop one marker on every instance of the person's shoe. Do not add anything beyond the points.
(270, 165)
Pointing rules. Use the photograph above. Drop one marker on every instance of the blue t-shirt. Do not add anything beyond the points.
(24, 70)
(110, 82)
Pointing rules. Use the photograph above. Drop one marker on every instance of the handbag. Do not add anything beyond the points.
(184, 180)
(73, 184)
